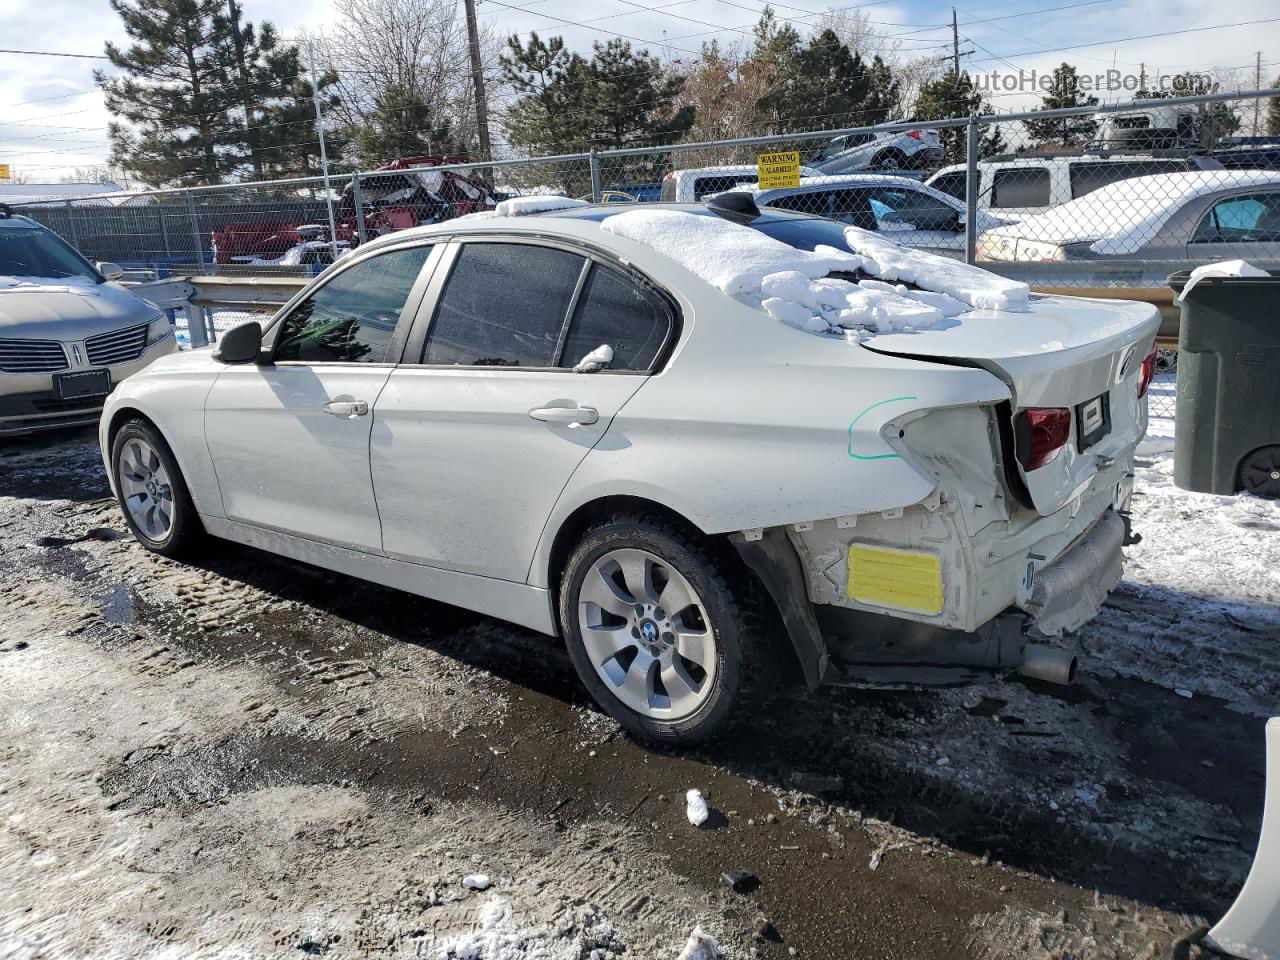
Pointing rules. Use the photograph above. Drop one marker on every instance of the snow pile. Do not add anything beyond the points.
(790, 285)
(523, 206)
(596, 360)
(700, 946)
(696, 808)
(583, 933)
(728, 256)
(476, 881)
(980, 289)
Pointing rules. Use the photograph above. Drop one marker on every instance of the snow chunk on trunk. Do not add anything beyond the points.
(979, 288)
(476, 881)
(727, 255)
(523, 206)
(596, 360)
(696, 807)
(700, 945)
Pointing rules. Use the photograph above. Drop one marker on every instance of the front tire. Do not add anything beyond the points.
(655, 631)
(151, 491)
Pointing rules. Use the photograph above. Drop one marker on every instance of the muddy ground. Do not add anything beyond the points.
(252, 758)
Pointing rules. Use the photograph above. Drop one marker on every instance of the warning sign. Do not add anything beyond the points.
(778, 169)
(4, 171)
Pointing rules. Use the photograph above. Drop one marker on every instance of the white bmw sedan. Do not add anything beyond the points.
(689, 439)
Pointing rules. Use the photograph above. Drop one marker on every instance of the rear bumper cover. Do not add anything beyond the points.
(1069, 592)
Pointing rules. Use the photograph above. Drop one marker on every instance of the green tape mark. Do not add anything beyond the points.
(878, 456)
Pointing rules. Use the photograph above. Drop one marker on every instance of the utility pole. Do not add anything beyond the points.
(324, 155)
(477, 77)
(1142, 76)
(1257, 85)
(955, 43)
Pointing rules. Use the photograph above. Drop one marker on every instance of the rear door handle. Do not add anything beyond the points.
(347, 409)
(574, 416)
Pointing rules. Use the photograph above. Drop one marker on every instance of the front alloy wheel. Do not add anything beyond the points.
(145, 489)
(647, 634)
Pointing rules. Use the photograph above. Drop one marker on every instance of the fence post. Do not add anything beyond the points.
(164, 232)
(195, 232)
(971, 190)
(594, 161)
(357, 194)
(74, 234)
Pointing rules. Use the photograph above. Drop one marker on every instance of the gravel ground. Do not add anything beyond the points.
(252, 758)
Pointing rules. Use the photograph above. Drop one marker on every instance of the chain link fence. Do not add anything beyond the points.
(1102, 200)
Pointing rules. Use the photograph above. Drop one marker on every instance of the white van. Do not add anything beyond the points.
(1025, 186)
(689, 186)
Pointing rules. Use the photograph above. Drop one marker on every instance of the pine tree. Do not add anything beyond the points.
(550, 82)
(402, 124)
(1068, 131)
(286, 129)
(201, 94)
(953, 95)
(631, 98)
(174, 93)
(1273, 113)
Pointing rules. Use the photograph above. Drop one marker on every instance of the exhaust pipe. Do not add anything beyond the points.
(1049, 664)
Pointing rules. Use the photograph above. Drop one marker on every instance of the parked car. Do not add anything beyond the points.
(913, 214)
(401, 194)
(1019, 187)
(68, 333)
(893, 150)
(686, 186)
(617, 424)
(1178, 220)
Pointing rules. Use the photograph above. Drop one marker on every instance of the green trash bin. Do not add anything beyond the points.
(1227, 433)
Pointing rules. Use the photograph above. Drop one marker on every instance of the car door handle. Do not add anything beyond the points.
(347, 409)
(574, 416)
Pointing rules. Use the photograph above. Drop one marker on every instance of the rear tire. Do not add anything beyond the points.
(892, 159)
(152, 492)
(657, 634)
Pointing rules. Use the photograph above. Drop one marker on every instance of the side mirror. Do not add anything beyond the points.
(240, 344)
(112, 271)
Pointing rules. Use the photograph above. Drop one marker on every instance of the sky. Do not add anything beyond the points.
(54, 120)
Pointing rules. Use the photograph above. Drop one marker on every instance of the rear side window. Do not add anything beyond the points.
(1020, 187)
(719, 183)
(816, 202)
(504, 305)
(1088, 177)
(616, 310)
(352, 317)
(952, 183)
(1247, 219)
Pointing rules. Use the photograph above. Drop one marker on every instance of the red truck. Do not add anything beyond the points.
(401, 194)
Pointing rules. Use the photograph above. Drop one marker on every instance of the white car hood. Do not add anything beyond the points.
(68, 310)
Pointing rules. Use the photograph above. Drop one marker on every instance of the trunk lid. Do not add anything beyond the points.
(1063, 352)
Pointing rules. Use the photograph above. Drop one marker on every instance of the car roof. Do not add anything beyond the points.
(17, 221)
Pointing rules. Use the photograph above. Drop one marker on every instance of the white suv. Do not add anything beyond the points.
(1023, 186)
(689, 439)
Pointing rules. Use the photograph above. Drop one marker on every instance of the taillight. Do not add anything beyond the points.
(914, 134)
(1041, 433)
(1148, 371)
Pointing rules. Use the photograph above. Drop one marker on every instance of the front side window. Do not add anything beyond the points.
(504, 305)
(352, 317)
(901, 208)
(31, 252)
(1248, 219)
(616, 311)
(1020, 187)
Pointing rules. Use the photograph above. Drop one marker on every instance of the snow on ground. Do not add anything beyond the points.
(1205, 563)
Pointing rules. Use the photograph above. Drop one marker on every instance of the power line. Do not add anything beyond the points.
(52, 53)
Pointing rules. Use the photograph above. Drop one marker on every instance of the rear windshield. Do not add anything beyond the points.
(38, 253)
(803, 233)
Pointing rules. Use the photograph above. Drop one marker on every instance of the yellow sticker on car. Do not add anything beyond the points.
(887, 577)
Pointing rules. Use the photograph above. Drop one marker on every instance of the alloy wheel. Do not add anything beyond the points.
(647, 634)
(145, 488)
